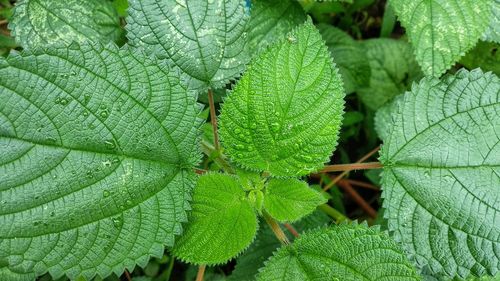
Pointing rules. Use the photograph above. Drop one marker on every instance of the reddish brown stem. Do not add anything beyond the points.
(213, 118)
(2, 22)
(127, 275)
(347, 187)
(201, 272)
(361, 184)
(292, 230)
(199, 171)
(350, 167)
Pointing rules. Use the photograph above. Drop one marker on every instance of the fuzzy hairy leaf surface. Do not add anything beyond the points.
(206, 39)
(393, 69)
(222, 222)
(383, 117)
(97, 149)
(8, 275)
(270, 20)
(349, 252)
(442, 31)
(441, 178)
(349, 56)
(492, 33)
(284, 114)
(288, 200)
(61, 22)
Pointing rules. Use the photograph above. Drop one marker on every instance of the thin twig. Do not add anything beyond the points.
(213, 118)
(292, 230)
(347, 187)
(361, 184)
(127, 275)
(199, 171)
(362, 159)
(275, 227)
(350, 167)
(2, 22)
(201, 272)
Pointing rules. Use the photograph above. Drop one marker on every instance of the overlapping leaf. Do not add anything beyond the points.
(441, 177)
(285, 112)
(206, 39)
(97, 148)
(347, 252)
(441, 31)
(60, 22)
(492, 33)
(222, 223)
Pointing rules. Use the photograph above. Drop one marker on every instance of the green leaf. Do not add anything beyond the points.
(288, 200)
(222, 223)
(383, 118)
(8, 275)
(349, 56)
(270, 20)
(441, 174)
(61, 22)
(442, 31)
(345, 252)
(492, 33)
(484, 55)
(284, 114)
(205, 39)
(393, 69)
(97, 150)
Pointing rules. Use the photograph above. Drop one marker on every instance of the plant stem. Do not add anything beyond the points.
(217, 155)
(347, 187)
(127, 275)
(292, 230)
(201, 272)
(2, 22)
(361, 184)
(275, 227)
(213, 118)
(338, 216)
(350, 167)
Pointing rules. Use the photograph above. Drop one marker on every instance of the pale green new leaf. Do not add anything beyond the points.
(206, 39)
(349, 56)
(347, 252)
(284, 114)
(97, 149)
(288, 200)
(441, 178)
(61, 22)
(442, 31)
(222, 223)
(270, 20)
(492, 33)
(393, 69)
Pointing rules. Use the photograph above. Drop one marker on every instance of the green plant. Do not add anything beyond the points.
(101, 144)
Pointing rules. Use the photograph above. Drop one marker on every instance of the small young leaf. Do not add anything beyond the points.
(61, 22)
(347, 252)
(393, 69)
(441, 31)
(97, 149)
(441, 174)
(284, 114)
(349, 56)
(270, 20)
(288, 200)
(206, 39)
(221, 225)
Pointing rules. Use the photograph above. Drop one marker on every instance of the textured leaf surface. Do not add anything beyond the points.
(383, 117)
(45, 23)
(288, 200)
(344, 252)
(206, 39)
(8, 275)
(393, 69)
(97, 147)
(349, 56)
(270, 20)
(284, 114)
(222, 223)
(492, 33)
(441, 177)
(441, 31)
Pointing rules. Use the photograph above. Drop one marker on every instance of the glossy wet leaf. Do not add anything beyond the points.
(97, 149)
(441, 178)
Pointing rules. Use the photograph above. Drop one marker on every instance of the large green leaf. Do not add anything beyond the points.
(441, 177)
(8, 275)
(492, 34)
(442, 31)
(45, 23)
(270, 20)
(284, 114)
(288, 200)
(345, 252)
(393, 69)
(97, 149)
(349, 56)
(222, 223)
(206, 39)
